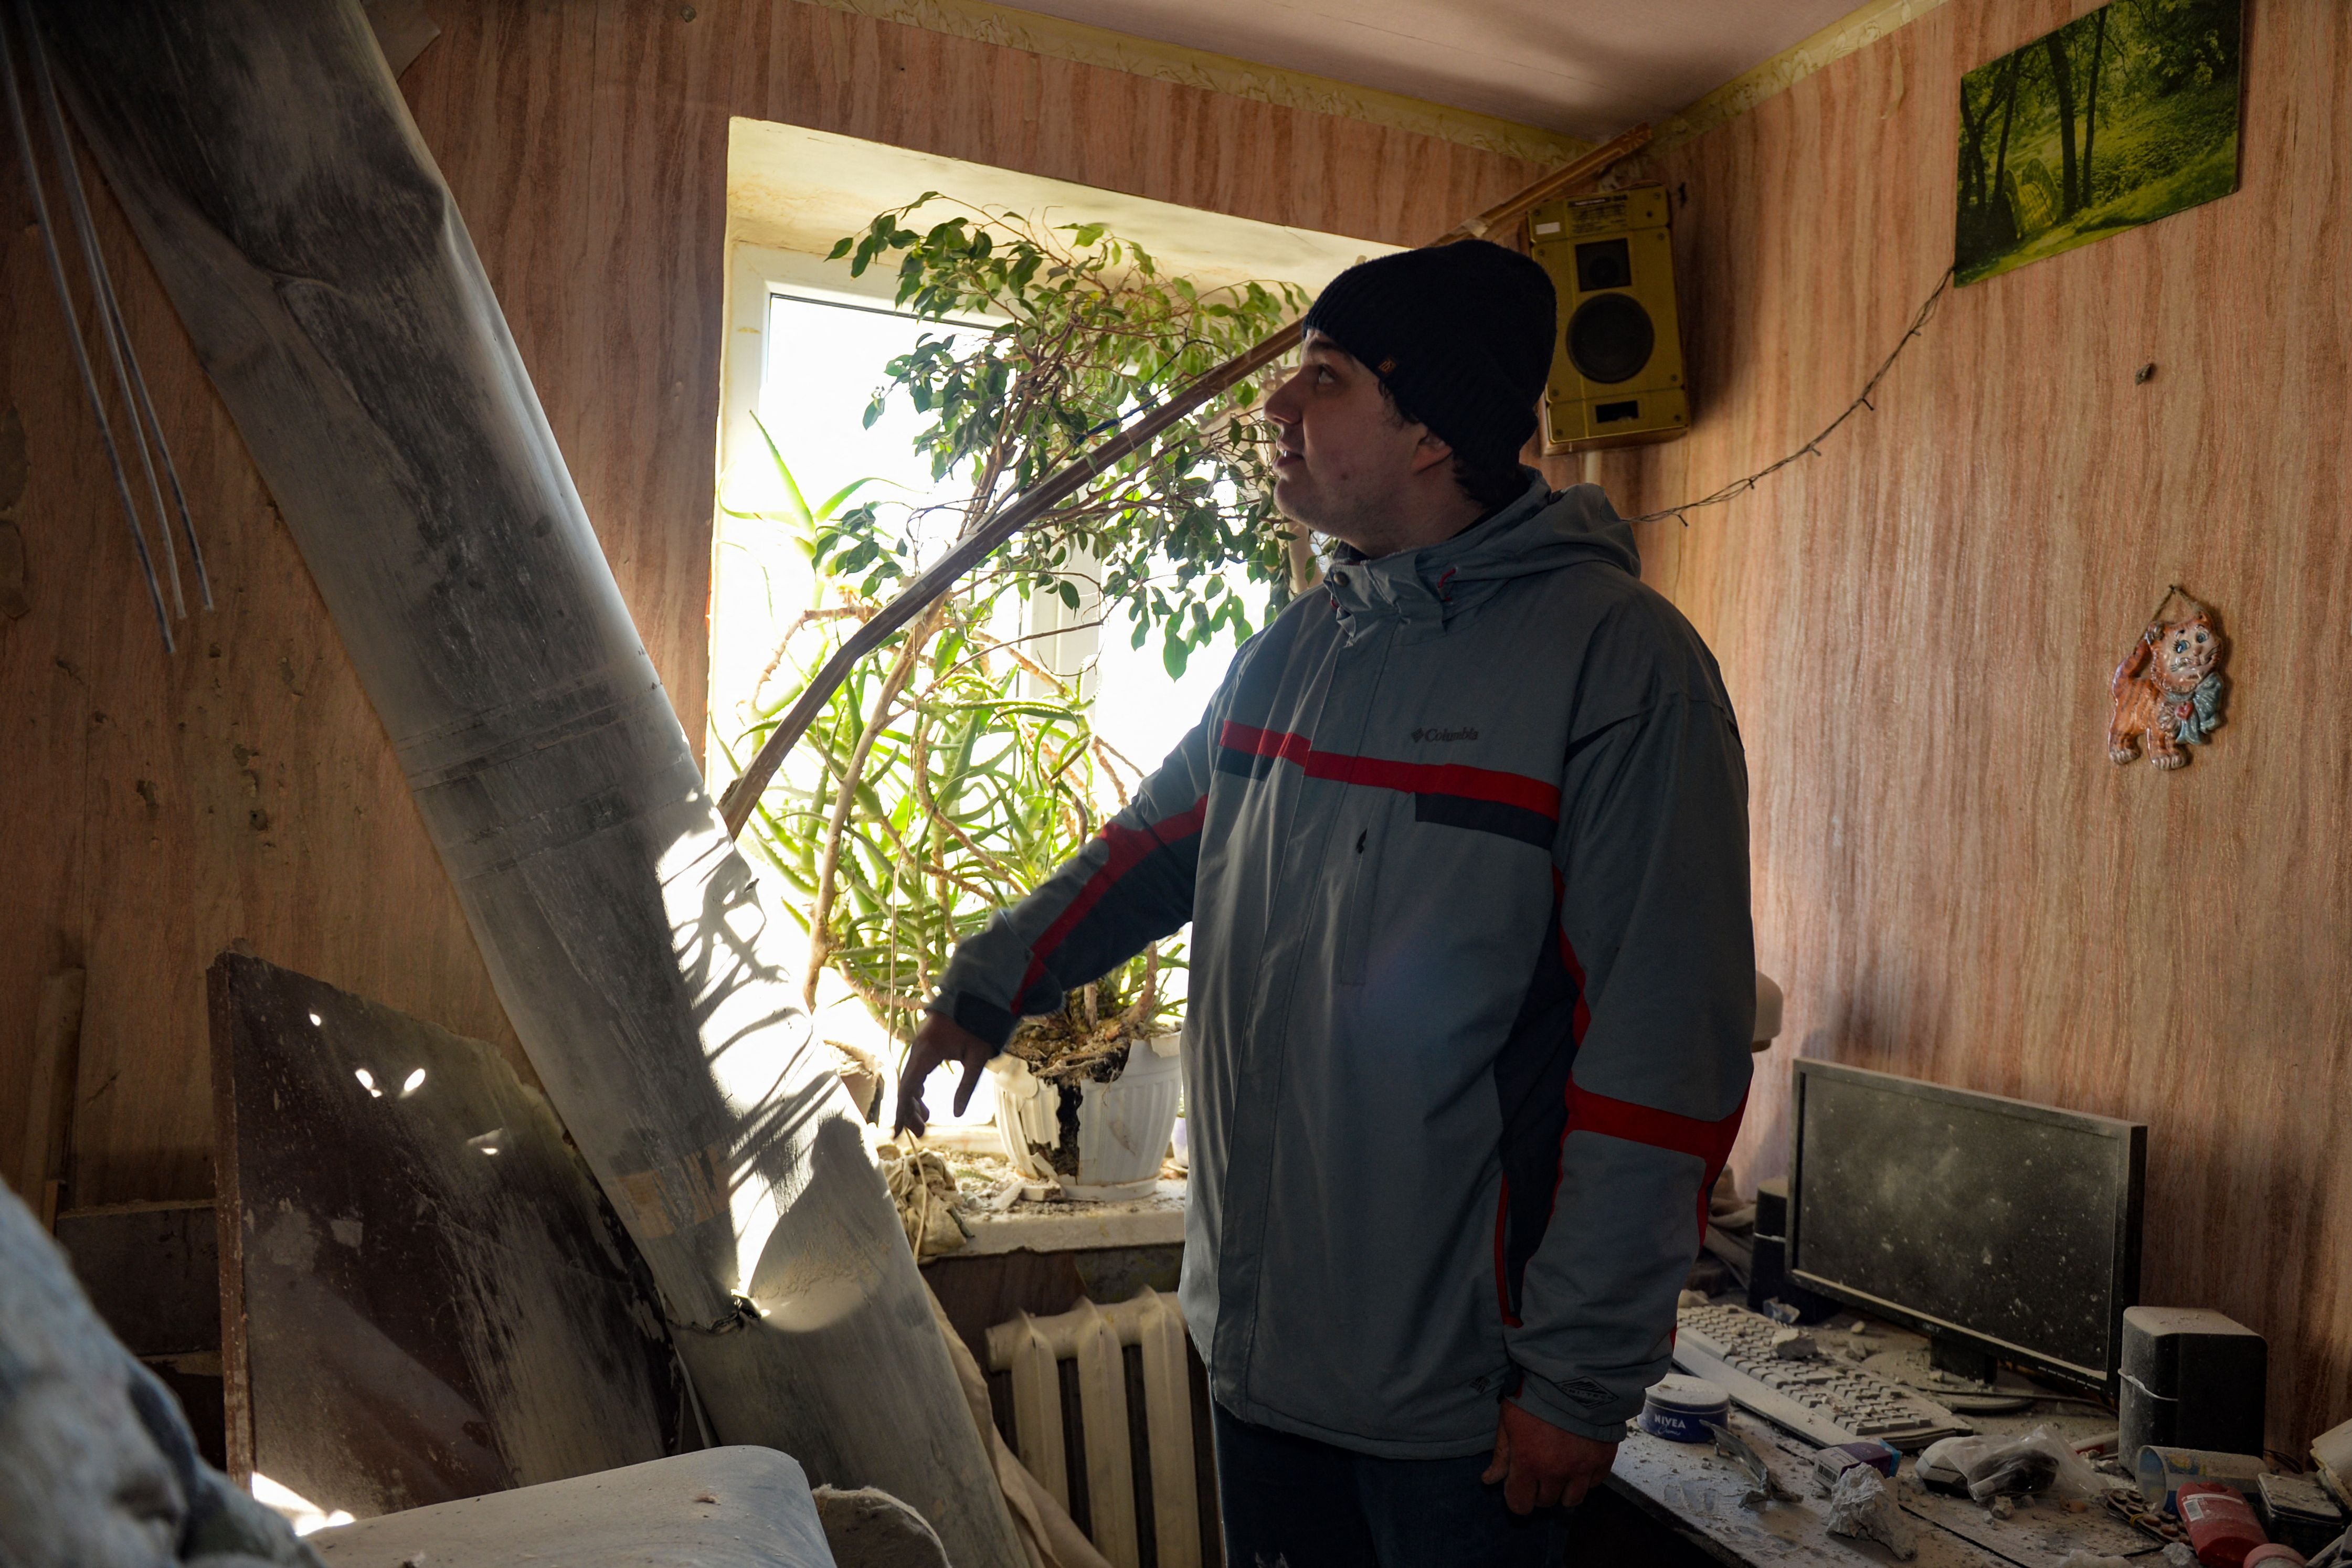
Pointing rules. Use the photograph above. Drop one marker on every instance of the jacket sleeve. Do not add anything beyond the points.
(1131, 885)
(1655, 930)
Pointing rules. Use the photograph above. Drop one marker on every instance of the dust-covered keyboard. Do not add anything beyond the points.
(1782, 1378)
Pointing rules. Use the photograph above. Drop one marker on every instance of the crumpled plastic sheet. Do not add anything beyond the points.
(1862, 1507)
(923, 1190)
(2039, 1461)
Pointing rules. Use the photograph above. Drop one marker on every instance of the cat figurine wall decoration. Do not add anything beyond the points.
(2168, 690)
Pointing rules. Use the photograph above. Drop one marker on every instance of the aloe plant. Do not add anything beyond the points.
(967, 797)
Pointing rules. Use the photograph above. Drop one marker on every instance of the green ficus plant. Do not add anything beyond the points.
(1050, 338)
(952, 772)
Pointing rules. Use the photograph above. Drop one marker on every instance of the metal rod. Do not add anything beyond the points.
(1622, 146)
(73, 323)
(101, 289)
(735, 805)
(163, 448)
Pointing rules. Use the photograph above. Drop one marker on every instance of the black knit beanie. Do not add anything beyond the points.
(1462, 334)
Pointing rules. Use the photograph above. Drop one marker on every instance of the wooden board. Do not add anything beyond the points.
(44, 1161)
(348, 323)
(152, 1271)
(2039, 1533)
(1917, 627)
(427, 1296)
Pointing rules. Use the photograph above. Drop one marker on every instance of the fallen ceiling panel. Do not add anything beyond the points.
(267, 162)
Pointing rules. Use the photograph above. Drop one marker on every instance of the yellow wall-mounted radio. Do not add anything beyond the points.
(1617, 369)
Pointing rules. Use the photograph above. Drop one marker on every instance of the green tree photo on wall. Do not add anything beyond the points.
(2126, 115)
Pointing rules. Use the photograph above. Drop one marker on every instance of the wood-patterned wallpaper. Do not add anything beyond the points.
(1919, 626)
(160, 808)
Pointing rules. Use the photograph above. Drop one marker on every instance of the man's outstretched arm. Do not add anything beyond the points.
(1130, 886)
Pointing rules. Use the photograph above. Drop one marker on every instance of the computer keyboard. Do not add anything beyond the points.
(1822, 1398)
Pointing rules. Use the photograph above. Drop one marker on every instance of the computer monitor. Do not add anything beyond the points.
(2004, 1231)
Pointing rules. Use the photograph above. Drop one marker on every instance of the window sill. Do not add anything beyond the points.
(1072, 1225)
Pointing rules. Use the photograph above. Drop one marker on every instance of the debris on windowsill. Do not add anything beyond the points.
(928, 1197)
(973, 1202)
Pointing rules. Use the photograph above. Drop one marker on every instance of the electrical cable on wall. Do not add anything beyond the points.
(1740, 487)
(130, 381)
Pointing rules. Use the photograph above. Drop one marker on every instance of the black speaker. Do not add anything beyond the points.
(2191, 1379)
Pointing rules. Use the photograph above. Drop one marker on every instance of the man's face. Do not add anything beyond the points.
(1343, 459)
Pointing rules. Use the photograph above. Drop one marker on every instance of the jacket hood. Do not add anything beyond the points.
(1543, 531)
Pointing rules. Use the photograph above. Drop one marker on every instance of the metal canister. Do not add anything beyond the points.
(1680, 1408)
(2275, 1556)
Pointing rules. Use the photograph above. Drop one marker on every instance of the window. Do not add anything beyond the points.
(806, 344)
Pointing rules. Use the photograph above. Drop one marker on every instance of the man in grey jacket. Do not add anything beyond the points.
(1462, 839)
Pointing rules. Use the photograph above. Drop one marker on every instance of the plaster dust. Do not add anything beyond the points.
(1004, 1211)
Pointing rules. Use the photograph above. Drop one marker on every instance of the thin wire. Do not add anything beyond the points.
(171, 468)
(1738, 488)
(73, 331)
(129, 380)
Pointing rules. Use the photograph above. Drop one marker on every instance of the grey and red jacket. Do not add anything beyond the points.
(1462, 839)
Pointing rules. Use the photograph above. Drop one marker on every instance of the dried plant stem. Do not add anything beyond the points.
(845, 799)
(1305, 570)
(1147, 999)
(784, 643)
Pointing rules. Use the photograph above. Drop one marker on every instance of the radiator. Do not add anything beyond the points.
(1032, 1349)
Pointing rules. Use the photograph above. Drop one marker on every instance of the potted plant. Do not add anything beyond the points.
(1087, 1096)
(968, 795)
(938, 783)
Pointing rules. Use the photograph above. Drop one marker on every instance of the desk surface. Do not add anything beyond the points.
(1698, 1491)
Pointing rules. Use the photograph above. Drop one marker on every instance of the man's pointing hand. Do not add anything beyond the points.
(941, 1040)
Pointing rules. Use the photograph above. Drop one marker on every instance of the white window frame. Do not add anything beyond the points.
(794, 191)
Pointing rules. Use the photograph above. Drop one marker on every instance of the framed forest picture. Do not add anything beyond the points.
(2126, 115)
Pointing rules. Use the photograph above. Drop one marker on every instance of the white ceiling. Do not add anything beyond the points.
(1587, 67)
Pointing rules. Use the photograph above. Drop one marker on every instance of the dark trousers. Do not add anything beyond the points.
(1293, 1502)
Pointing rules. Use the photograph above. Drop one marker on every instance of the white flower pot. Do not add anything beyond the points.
(1122, 1125)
